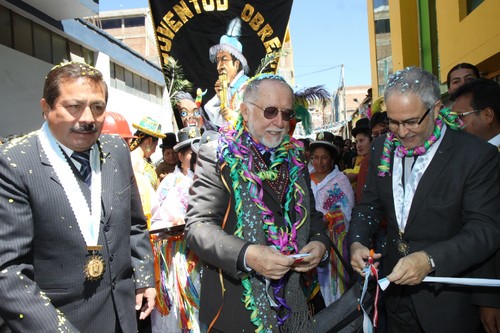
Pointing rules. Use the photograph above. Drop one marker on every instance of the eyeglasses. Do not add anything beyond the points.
(463, 114)
(409, 124)
(271, 112)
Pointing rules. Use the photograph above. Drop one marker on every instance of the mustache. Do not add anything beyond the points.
(84, 128)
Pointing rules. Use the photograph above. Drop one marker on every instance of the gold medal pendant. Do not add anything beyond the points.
(94, 267)
(403, 247)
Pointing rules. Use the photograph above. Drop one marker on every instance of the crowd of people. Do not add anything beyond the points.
(231, 231)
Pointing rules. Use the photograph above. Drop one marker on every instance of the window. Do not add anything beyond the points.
(132, 83)
(144, 88)
(137, 85)
(133, 22)
(35, 40)
(88, 56)
(473, 4)
(111, 24)
(23, 38)
(382, 26)
(41, 43)
(120, 77)
(5, 27)
(59, 49)
(152, 92)
(158, 94)
(76, 51)
(112, 75)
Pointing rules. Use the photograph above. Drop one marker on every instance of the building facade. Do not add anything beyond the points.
(435, 35)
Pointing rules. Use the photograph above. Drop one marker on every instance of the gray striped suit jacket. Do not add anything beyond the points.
(42, 251)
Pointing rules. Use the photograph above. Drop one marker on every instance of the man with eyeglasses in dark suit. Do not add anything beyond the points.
(439, 190)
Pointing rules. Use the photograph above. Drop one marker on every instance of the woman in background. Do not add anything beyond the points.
(335, 199)
(363, 137)
(177, 269)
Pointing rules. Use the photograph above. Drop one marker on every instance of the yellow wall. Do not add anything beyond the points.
(404, 34)
(404, 37)
(373, 52)
(474, 38)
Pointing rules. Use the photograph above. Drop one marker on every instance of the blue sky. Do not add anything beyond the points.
(325, 34)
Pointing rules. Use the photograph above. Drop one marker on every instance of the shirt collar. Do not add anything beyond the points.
(495, 140)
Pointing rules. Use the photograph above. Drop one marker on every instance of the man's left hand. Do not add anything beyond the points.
(316, 252)
(410, 270)
(145, 301)
(490, 317)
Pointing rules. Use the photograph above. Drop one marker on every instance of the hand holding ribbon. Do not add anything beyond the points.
(359, 257)
(370, 270)
(411, 269)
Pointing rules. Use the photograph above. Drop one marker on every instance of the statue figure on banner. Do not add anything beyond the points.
(232, 68)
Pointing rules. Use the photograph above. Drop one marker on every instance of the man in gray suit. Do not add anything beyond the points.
(250, 210)
(74, 249)
(439, 190)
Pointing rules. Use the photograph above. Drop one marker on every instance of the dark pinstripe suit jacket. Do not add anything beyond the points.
(42, 252)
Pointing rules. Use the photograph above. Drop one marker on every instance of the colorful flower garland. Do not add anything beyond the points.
(392, 143)
(236, 152)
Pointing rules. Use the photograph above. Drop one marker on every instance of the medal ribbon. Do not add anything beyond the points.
(88, 220)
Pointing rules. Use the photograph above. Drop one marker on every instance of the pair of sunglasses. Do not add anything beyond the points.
(271, 112)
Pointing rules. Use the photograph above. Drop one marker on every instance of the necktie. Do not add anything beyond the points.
(85, 170)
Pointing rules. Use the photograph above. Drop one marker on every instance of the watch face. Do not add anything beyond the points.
(431, 263)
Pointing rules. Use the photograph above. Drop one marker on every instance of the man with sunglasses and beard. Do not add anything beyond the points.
(438, 187)
(251, 218)
(74, 249)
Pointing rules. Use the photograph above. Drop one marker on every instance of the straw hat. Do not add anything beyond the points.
(149, 126)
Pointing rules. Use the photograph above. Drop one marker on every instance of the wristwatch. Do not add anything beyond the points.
(431, 262)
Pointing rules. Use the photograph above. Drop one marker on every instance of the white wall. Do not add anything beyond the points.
(21, 88)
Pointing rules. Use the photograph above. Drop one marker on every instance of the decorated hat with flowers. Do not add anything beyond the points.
(149, 126)
(325, 139)
(187, 135)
